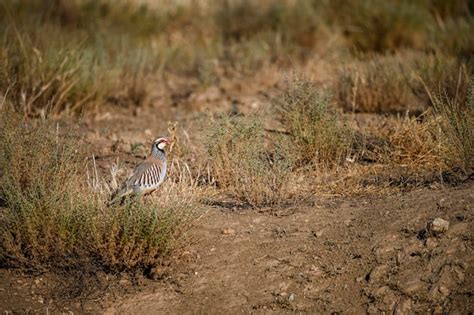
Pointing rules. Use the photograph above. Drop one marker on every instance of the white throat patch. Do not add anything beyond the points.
(162, 145)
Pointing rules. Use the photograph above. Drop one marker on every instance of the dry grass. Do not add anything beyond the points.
(374, 26)
(375, 86)
(44, 221)
(54, 217)
(318, 134)
(455, 121)
(67, 56)
(244, 166)
(138, 236)
(396, 84)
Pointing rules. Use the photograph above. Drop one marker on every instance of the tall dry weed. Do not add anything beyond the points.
(244, 166)
(318, 136)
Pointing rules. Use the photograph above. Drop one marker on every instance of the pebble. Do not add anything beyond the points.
(291, 298)
(124, 282)
(441, 203)
(378, 273)
(438, 226)
(405, 306)
(431, 243)
(412, 286)
(228, 231)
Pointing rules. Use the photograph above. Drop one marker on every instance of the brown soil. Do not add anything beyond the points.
(342, 256)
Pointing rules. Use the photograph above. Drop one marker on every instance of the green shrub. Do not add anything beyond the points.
(455, 121)
(314, 127)
(243, 165)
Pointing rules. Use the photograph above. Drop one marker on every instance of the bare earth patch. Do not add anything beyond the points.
(349, 256)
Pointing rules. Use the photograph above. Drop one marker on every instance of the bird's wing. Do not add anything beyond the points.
(149, 173)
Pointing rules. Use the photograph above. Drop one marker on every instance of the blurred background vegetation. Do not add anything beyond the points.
(68, 55)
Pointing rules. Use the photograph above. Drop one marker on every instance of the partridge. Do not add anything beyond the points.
(148, 175)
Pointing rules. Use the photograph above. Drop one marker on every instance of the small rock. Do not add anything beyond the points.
(291, 298)
(444, 291)
(431, 243)
(405, 306)
(441, 203)
(360, 279)
(124, 282)
(228, 231)
(411, 287)
(347, 222)
(378, 273)
(438, 309)
(315, 271)
(37, 281)
(318, 233)
(439, 292)
(438, 226)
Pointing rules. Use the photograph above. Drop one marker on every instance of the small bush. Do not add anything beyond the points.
(242, 164)
(45, 220)
(314, 128)
(455, 121)
(54, 218)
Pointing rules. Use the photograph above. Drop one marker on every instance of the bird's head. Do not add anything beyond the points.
(161, 143)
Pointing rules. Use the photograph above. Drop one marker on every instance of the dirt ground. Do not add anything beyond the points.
(341, 256)
(373, 254)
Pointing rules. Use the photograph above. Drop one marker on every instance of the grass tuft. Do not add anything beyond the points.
(244, 166)
(455, 121)
(315, 130)
(399, 83)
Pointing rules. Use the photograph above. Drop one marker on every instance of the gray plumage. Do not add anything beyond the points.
(148, 175)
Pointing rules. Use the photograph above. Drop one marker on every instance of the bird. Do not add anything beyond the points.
(148, 175)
